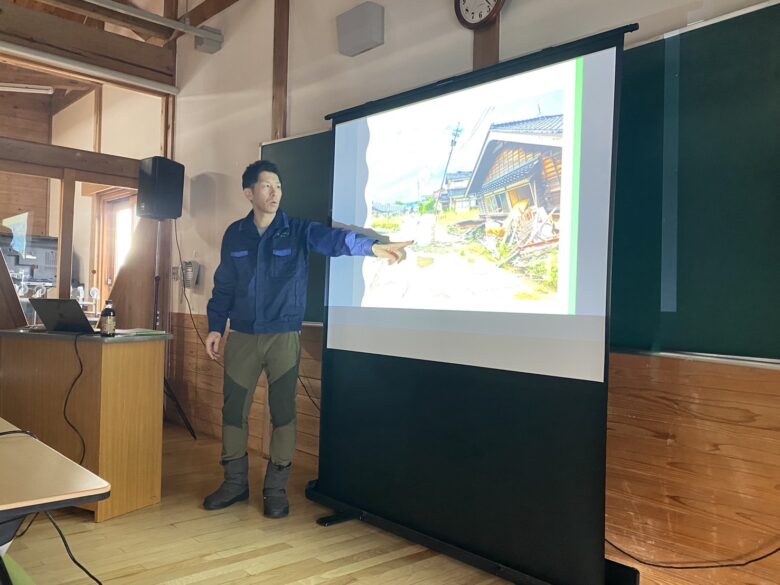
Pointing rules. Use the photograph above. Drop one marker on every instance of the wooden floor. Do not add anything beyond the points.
(178, 543)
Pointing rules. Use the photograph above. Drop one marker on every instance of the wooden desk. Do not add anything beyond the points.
(34, 477)
(116, 405)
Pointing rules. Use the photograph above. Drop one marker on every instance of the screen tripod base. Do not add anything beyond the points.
(182, 415)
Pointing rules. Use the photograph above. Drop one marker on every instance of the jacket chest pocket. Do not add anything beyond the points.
(283, 263)
(245, 268)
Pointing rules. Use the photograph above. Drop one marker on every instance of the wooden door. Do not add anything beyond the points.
(117, 223)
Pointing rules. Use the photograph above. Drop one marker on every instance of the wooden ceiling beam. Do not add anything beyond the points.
(144, 28)
(201, 13)
(14, 74)
(55, 36)
(48, 160)
(205, 10)
(85, 80)
(40, 7)
(280, 69)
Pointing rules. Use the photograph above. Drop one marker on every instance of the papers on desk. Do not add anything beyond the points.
(137, 332)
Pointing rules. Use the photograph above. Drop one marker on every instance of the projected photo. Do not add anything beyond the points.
(504, 185)
(483, 192)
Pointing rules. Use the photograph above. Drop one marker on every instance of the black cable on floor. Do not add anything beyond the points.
(305, 389)
(67, 549)
(24, 530)
(703, 565)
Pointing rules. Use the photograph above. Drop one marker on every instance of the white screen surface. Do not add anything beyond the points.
(505, 189)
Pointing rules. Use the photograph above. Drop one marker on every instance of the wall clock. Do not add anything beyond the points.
(477, 13)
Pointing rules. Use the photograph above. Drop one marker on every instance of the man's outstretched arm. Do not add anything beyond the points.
(330, 241)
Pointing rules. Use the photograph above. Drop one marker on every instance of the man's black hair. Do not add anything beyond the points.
(252, 172)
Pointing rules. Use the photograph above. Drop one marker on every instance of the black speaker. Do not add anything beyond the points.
(160, 188)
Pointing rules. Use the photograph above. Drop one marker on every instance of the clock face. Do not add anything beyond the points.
(476, 13)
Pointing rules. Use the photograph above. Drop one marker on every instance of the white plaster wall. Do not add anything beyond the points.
(131, 123)
(222, 115)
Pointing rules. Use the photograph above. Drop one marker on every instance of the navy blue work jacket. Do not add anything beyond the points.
(261, 281)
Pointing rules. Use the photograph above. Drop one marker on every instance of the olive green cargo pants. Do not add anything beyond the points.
(246, 356)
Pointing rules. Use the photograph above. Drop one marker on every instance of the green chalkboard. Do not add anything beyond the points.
(306, 167)
(696, 249)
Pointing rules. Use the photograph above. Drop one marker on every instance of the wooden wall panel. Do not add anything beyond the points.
(22, 193)
(693, 467)
(693, 462)
(26, 117)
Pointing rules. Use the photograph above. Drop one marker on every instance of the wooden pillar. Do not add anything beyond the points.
(166, 125)
(281, 54)
(97, 139)
(166, 227)
(486, 45)
(65, 241)
(171, 9)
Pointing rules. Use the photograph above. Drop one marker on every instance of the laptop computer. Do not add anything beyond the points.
(62, 315)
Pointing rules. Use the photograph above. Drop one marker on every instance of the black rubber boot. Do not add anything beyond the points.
(275, 504)
(234, 489)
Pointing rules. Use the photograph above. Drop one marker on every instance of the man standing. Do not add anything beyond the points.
(260, 285)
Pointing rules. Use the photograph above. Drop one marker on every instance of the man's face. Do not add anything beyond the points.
(266, 194)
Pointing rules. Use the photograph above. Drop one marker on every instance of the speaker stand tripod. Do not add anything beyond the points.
(155, 324)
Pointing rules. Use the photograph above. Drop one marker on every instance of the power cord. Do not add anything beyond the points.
(306, 389)
(195, 327)
(67, 549)
(709, 565)
(22, 532)
(30, 523)
(184, 290)
(67, 399)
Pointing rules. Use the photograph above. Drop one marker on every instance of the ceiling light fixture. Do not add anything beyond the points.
(26, 88)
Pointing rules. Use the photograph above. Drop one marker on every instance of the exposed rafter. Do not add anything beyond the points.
(47, 160)
(46, 9)
(202, 12)
(15, 74)
(144, 28)
(36, 33)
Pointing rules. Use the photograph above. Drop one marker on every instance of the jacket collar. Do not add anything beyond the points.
(280, 222)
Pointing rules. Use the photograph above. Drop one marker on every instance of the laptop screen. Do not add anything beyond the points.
(63, 315)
